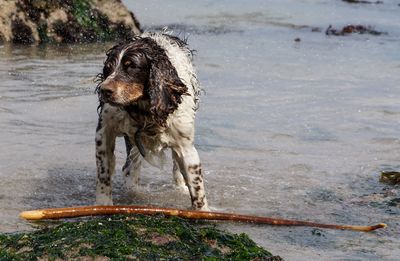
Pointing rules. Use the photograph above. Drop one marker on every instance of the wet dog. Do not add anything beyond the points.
(148, 94)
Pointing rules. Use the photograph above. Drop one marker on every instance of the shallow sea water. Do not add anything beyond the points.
(287, 129)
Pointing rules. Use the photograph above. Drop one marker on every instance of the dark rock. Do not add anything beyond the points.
(352, 29)
(362, 2)
(21, 32)
(390, 177)
(69, 21)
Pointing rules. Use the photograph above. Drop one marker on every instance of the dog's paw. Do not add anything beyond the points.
(204, 208)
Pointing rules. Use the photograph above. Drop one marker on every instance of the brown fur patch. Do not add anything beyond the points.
(132, 91)
(123, 91)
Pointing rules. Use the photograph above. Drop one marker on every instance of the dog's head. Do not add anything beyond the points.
(140, 70)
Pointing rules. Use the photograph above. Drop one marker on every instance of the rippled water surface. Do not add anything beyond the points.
(294, 129)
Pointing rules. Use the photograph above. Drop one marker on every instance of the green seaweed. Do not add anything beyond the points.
(131, 237)
(82, 11)
(42, 31)
(93, 23)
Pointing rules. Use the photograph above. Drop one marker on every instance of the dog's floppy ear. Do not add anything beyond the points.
(165, 89)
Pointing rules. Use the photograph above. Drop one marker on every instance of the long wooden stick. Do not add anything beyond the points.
(56, 213)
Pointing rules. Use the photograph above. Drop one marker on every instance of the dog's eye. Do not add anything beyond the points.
(127, 63)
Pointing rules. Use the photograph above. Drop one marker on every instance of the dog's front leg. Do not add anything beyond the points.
(190, 166)
(179, 180)
(131, 169)
(105, 161)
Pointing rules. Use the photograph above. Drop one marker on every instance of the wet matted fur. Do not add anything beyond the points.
(149, 93)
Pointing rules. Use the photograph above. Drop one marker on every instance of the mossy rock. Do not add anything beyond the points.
(390, 177)
(67, 21)
(135, 237)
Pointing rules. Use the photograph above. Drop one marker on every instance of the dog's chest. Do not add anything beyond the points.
(153, 137)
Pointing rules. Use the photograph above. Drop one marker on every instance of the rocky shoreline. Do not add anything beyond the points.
(70, 21)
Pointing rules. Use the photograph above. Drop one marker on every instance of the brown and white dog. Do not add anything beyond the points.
(149, 94)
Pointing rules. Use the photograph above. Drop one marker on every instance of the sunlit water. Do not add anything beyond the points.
(288, 129)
